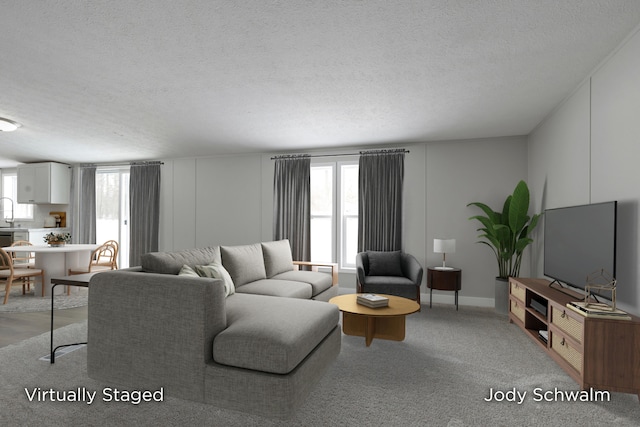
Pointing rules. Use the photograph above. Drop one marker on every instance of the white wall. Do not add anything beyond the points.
(588, 151)
(458, 173)
(559, 163)
(211, 201)
(228, 200)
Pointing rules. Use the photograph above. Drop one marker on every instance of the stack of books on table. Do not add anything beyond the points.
(600, 311)
(372, 300)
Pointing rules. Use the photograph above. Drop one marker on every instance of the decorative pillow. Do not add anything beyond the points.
(244, 263)
(187, 271)
(277, 257)
(385, 263)
(217, 271)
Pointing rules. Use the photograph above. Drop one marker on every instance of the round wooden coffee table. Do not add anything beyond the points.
(386, 323)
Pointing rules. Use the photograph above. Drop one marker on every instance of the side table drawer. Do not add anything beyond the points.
(561, 346)
(517, 308)
(517, 290)
(561, 318)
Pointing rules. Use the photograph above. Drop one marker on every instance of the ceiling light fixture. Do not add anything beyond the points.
(7, 125)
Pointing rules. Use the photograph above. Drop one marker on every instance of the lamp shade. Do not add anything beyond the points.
(444, 246)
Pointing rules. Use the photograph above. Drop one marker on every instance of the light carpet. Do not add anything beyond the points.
(29, 302)
(439, 376)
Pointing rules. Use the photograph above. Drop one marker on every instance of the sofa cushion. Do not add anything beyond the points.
(385, 263)
(172, 262)
(319, 282)
(217, 271)
(277, 257)
(278, 288)
(244, 263)
(272, 334)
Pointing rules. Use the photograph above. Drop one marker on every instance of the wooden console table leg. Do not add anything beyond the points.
(370, 327)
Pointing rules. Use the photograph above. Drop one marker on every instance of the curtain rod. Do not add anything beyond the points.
(93, 165)
(295, 156)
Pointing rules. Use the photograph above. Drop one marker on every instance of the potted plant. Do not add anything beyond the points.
(507, 233)
(57, 239)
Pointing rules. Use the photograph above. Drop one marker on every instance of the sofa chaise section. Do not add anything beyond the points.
(273, 351)
(254, 353)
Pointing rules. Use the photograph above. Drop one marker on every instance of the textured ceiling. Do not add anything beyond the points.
(116, 80)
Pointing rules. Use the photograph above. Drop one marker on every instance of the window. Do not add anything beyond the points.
(10, 190)
(334, 213)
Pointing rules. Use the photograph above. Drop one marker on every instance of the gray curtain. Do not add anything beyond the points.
(83, 195)
(144, 205)
(292, 204)
(380, 180)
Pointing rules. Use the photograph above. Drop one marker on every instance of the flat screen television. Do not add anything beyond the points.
(580, 240)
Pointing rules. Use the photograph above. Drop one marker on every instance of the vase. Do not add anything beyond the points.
(501, 296)
(56, 244)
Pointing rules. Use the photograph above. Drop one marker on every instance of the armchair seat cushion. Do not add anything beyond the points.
(388, 280)
(390, 285)
(319, 282)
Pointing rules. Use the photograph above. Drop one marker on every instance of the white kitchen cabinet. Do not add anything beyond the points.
(44, 183)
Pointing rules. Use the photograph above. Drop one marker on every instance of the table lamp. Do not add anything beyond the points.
(444, 247)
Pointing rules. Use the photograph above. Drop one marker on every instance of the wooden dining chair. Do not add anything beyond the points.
(102, 258)
(8, 273)
(115, 246)
(24, 259)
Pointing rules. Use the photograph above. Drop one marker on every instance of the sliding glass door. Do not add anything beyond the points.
(112, 209)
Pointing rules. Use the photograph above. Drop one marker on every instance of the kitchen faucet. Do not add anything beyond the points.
(10, 221)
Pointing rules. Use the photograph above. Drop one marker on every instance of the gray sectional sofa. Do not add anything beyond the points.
(258, 345)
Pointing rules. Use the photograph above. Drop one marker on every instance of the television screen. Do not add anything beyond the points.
(578, 241)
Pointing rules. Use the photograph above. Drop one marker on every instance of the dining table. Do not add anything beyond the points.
(56, 261)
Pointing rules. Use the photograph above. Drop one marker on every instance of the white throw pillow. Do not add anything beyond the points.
(217, 271)
(187, 271)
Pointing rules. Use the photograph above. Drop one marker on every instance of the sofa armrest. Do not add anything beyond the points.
(314, 267)
(148, 330)
(412, 268)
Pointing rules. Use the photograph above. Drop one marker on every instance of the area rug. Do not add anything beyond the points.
(441, 375)
(29, 302)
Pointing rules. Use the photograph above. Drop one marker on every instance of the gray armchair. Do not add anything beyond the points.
(392, 273)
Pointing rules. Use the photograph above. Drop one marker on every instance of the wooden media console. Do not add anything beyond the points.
(598, 353)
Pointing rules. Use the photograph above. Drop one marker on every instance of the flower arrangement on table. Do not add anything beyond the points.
(57, 239)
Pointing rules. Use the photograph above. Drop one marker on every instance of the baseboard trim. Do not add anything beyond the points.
(449, 298)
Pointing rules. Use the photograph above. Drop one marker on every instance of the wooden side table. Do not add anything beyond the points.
(444, 280)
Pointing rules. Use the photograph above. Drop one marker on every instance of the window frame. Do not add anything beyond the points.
(331, 216)
(338, 218)
(29, 207)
